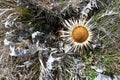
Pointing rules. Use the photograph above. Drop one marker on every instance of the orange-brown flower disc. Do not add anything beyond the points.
(79, 34)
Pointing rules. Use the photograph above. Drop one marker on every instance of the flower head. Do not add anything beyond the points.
(78, 34)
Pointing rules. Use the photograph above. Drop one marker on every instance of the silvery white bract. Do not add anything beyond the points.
(6, 42)
(105, 77)
(108, 13)
(90, 5)
(17, 51)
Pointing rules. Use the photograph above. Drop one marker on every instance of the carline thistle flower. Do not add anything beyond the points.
(78, 34)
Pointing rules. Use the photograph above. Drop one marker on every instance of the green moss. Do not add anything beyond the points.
(62, 1)
(90, 73)
(1, 36)
(93, 75)
(26, 15)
